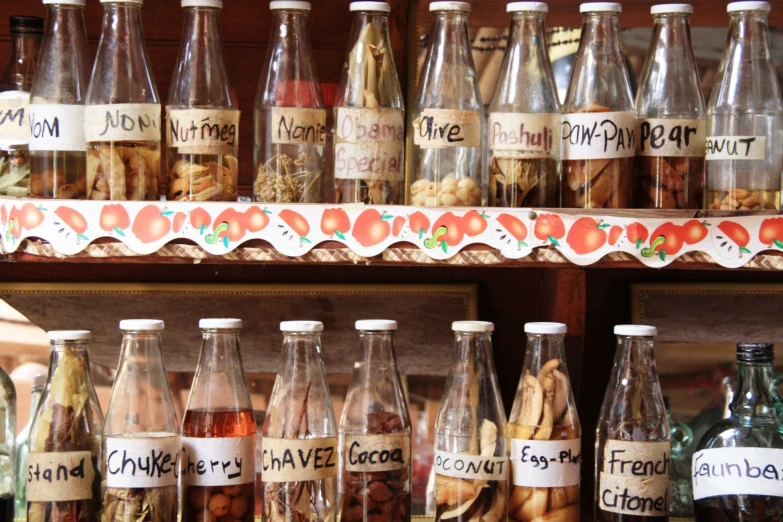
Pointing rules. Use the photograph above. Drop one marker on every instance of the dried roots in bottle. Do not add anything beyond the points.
(669, 182)
(140, 504)
(123, 171)
(211, 180)
(524, 180)
(283, 179)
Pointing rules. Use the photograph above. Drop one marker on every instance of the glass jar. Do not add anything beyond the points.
(58, 150)
(65, 437)
(22, 448)
(471, 449)
(633, 447)
(524, 117)
(219, 425)
(546, 436)
(122, 113)
(599, 118)
(680, 481)
(375, 433)
(290, 118)
(745, 117)
(7, 450)
(202, 112)
(448, 117)
(141, 432)
(299, 445)
(736, 465)
(671, 117)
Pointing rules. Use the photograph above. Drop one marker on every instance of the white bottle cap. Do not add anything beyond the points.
(81, 3)
(39, 381)
(220, 324)
(473, 326)
(142, 325)
(748, 6)
(671, 8)
(515, 7)
(450, 6)
(595, 7)
(140, 2)
(381, 7)
(203, 3)
(289, 4)
(69, 335)
(301, 326)
(376, 325)
(546, 328)
(635, 330)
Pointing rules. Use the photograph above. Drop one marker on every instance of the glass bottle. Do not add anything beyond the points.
(448, 117)
(15, 84)
(66, 435)
(471, 449)
(22, 448)
(671, 117)
(633, 448)
(745, 117)
(375, 432)
(680, 487)
(299, 445)
(202, 112)
(599, 117)
(524, 117)
(737, 462)
(219, 426)
(7, 449)
(290, 118)
(122, 113)
(369, 114)
(141, 432)
(546, 436)
(58, 150)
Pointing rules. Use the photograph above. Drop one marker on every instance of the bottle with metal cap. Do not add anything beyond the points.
(219, 426)
(141, 427)
(736, 468)
(633, 446)
(299, 446)
(22, 448)
(58, 150)
(64, 459)
(375, 432)
(546, 444)
(745, 117)
(7, 449)
(471, 448)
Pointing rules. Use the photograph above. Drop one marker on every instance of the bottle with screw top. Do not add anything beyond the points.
(22, 448)
(7, 449)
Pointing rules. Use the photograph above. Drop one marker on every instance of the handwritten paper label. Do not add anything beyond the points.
(122, 122)
(56, 127)
(293, 125)
(55, 477)
(142, 463)
(736, 148)
(369, 143)
(368, 453)
(670, 137)
(737, 471)
(203, 131)
(471, 466)
(295, 460)
(14, 121)
(440, 128)
(546, 463)
(222, 461)
(599, 135)
(524, 132)
(635, 478)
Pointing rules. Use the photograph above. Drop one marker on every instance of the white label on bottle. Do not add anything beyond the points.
(736, 148)
(737, 471)
(670, 137)
(599, 135)
(546, 463)
(55, 127)
(386, 452)
(55, 477)
(470, 467)
(220, 461)
(296, 460)
(122, 122)
(14, 121)
(635, 478)
(203, 131)
(441, 128)
(151, 462)
(297, 126)
(369, 143)
(524, 132)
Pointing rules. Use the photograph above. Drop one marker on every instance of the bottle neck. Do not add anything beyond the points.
(636, 373)
(74, 358)
(220, 382)
(750, 26)
(601, 36)
(754, 396)
(21, 68)
(527, 30)
(542, 348)
(301, 353)
(376, 351)
(202, 28)
(672, 31)
(450, 35)
(35, 398)
(289, 26)
(472, 350)
(361, 19)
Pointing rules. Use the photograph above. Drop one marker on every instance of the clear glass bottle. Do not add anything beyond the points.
(448, 117)
(546, 436)
(22, 448)
(599, 118)
(633, 443)
(66, 435)
(471, 448)
(680, 486)
(141, 432)
(122, 114)
(369, 114)
(524, 117)
(299, 445)
(375, 432)
(738, 459)
(15, 84)
(745, 117)
(671, 121)
(219, 425)
(202, 112)
(290, 118)
(58, 150)
(7, 449)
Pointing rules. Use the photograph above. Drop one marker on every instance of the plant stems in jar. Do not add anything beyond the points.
(286, 179)
(15, 173)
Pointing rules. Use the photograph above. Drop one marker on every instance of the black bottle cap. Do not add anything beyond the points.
(31, 24)
(755, 352)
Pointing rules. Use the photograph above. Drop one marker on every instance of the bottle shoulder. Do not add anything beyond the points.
(743, 433)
